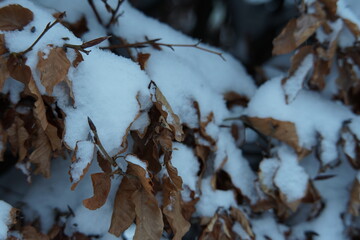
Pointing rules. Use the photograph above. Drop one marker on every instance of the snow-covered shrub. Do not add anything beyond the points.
(141, 132)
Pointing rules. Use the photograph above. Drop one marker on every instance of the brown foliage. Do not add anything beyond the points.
(14, 17)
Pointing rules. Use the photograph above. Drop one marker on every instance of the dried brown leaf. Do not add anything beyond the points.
(104, 164)
(173, 210)
(78, 28)
(140, 173)
(14, 17)
(233, 98)
(240, 217)
(101, 183)
(78, 59)
(165, 109)
(354, 204)
(282, 130)
(41, 156)
(174, 176)
(3, 48)
(17, 68)
(142, 59)
(149, 221)
(330, 7)
(354, 28)
(30, 233)
(94, 42)
(53, 69)
(124, 209)
(74, 159)
(4, 73)
(295, 33)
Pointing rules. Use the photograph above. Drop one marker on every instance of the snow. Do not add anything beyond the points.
(268, 168)
(85, 151)
(265, 227)
(185, 161)
(134, 160)
(309, 111)
(334, 191)
(5, 220)
(235, 164)
(212, 199)
(112, 105)
(295, 82)
(290, 178)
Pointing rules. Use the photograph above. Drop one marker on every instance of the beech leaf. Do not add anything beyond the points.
(101, 183)
(354, 204)
(173, 211)
(4, 73)
(149, 221)
(282, 130)
(14, 17)
(53, 69)
(2, 44)
(124, 209)
(295, 33)
(41, 156)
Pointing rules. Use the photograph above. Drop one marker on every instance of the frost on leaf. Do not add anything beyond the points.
(14, 17)
(101, 184)
(53, 69)
(295, 33)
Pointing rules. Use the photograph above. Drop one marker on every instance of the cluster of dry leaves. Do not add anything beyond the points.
(32, 131)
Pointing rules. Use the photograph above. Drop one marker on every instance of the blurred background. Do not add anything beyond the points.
(245, 28)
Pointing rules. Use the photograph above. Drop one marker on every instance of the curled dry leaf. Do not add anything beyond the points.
(219, 227)
(124, 209)
(234, 98)
(4, 73)
(354, 28)
(172, 209)
(149, 221)
(295, 33)
(142, 59)
(330, 7)
(354, 204)
(14, 17)
(2, 44)
(282, 130)
(101, 183)
(53, 69)
(80, 163)
(30, 233)
(41, 156)
(166, 111)
(240, 217)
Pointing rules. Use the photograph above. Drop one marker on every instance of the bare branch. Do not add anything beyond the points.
(47, 28)
(95, 11)
(156, 44)
(114, 15)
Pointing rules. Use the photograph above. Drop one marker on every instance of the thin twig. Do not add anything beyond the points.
(95, 11)
(47, 28)
(99, 144)
(114, 15)
(155, 43)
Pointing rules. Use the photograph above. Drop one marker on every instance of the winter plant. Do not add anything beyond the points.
(114, 125)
